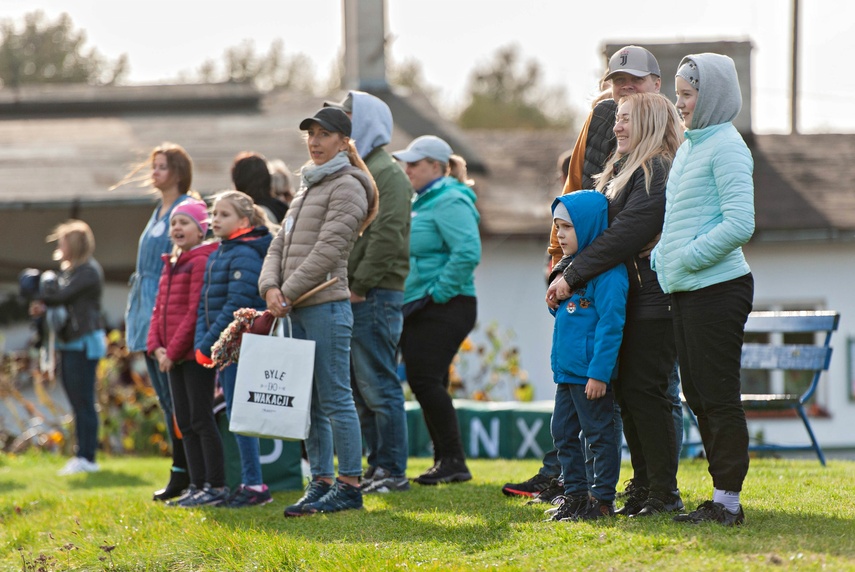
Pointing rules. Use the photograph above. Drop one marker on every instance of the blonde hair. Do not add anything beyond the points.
(280, 179)
(244, 206)
(79, 239)
(655, 133)
(457, 168)
(357, 162)
(177, 159)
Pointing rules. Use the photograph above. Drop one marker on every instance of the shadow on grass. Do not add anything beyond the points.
(9, 486)
(104, 479)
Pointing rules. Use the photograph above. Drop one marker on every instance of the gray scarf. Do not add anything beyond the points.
(314, 174)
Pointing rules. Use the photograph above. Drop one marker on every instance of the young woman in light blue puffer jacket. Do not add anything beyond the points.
(709, 215)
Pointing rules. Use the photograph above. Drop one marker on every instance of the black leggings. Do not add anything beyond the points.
(429, 342)
(192, 388)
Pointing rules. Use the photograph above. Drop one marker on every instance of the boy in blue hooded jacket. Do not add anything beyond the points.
(585, 344)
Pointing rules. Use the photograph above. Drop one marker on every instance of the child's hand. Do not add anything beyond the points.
(277, 303)
(164, 363)
(595, 388)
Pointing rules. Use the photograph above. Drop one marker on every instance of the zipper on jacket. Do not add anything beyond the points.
(637, 273)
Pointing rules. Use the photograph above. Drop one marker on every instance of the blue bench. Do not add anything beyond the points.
(814, 358)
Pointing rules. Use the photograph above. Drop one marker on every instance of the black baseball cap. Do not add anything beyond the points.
(331, 119)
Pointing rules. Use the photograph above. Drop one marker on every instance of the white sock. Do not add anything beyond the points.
(729, 499)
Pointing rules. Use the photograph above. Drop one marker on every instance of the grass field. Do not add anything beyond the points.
(799, 516)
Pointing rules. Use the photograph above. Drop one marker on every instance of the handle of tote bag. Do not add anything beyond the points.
(312, 292)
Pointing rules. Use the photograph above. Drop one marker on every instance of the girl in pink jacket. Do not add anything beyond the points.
(170, 342)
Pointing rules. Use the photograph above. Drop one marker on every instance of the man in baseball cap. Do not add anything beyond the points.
(633, 60)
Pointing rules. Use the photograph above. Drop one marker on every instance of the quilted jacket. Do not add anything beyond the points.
(173, 322)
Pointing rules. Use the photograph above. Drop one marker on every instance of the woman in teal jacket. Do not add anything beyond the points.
(439, 295)
(709, 215)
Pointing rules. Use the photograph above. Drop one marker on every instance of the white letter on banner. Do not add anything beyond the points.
(528, 436)
(274, 455)
(490, 441)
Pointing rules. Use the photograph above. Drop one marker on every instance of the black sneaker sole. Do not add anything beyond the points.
(455, 478)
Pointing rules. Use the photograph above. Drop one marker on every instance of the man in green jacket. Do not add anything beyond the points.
(376, 271)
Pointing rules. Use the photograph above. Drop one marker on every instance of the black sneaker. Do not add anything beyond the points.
(595, 509)
(658, 503)
(341, 496)
(178, 483)
(549, 494)
(244, 497)
(529, 488)
(207, 496)
(568, 508)
(710, 511)
(629, 487)
(368, 476)
(635, 501)
(445, 471)
(314, 491)
(188, 492)
(384, 482)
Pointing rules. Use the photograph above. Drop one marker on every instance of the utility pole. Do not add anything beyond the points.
(794, 88)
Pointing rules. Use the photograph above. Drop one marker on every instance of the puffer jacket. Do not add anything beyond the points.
(709, 200)
(154, 242)
(173, 323)
(635, 218)
(80, 291)
(231, 276)
(317, 236)
(445, 245)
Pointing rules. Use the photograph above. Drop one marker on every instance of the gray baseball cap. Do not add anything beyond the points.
(426, 146)
(633, 60)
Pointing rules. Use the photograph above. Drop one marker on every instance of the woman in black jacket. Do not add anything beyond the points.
(647, 129)
(80, 336)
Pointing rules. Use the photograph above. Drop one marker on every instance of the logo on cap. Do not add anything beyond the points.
(624, 55)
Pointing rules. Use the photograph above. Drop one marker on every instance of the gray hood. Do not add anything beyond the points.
(372, 122)
(719, 96)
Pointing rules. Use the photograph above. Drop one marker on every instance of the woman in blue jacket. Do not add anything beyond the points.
(709, 215)
(171, 175)
(439, 294)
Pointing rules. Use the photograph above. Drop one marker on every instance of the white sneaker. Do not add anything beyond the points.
(78, 465)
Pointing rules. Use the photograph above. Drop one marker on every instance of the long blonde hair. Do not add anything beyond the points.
(357, 162)
(656, 132)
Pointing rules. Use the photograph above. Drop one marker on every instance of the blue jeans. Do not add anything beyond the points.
(78, 379)
(377, 324)
(552, 466)
(250, 462)
(594, 419)
(335, 424)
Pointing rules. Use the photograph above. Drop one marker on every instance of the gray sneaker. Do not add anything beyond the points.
(384, 482)
(207, 496)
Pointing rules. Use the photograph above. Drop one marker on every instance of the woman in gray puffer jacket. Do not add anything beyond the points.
(336, 201)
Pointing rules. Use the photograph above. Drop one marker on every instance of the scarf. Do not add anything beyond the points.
(314, 174)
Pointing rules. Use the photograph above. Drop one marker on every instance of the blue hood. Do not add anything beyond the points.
(589, 211)
(372, 122)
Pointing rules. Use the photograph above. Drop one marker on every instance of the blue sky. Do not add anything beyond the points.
(449, 37)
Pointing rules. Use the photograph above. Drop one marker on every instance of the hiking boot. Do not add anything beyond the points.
(549, 494)
(384, 482)
(635, 501)
(595, 509)
(178, 483)
(314, 491)
(341, 496)
(568, 508)
(188, 492)
(710, 511)
(530, 488)
(207, 496)
(244, 496)
(658, 503)
(445, 471)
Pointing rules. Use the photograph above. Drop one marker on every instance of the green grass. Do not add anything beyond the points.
(799, 516)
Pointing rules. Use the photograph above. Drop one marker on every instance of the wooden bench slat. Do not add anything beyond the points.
(788, 357)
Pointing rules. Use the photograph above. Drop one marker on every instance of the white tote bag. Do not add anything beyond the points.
(273, 390)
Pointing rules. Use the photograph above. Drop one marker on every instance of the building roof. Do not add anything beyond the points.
(60, 151)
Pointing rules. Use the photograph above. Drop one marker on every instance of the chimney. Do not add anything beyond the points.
(365, 45)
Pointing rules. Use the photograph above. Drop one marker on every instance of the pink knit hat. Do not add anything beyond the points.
(195, 209)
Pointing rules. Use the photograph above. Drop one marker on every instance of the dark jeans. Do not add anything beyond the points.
(429, 342)
(594, 418)
(646, 362)
(709, 326)
(192, 389)
(78, 379)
